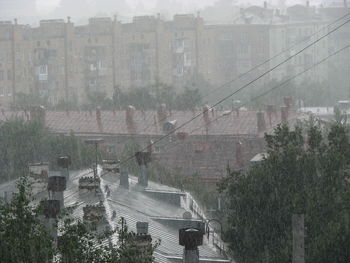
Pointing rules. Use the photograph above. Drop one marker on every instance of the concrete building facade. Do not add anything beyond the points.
(68, 63)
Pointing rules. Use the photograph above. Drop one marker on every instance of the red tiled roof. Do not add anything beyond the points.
(147, 123)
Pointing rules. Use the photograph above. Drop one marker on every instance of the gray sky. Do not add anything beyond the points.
(45, 6)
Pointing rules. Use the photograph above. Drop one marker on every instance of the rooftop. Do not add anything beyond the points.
(134, 204)
(219, 123)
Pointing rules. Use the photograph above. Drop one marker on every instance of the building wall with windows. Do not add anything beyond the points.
(68, 63)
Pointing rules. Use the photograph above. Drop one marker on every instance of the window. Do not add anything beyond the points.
(1, 75)
(43, 73)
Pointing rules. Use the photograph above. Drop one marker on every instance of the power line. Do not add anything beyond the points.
(267, 61)
(255, 98)
(246, 85)
(275, 88)
(277, 55)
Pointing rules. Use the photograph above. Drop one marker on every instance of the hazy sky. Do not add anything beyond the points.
(48, 5)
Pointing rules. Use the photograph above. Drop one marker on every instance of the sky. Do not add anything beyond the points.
(45, 6)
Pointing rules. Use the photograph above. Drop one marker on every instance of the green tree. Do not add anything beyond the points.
(27, 142)
(23, 238)
(295, 178)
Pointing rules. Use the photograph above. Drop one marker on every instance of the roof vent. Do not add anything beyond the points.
(169, 126)
(206, 114)
(142, 228)
(129, 116)
(284, 114)
(57, 184)
(260, 115)
(162, 112)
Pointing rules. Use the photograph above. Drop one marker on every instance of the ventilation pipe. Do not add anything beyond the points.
(206, 114)
(142, 238)
(129, 116)
(64, 162)
(190, 239)
(56, 185)
(260, 115)
(162, 113)
(124, 177)
(239, 154)
(143, 159)
(38, 114)
(142, 228)
(284, 114)
(150, 147)
(51, 209)
(270, 109)
(99, 119)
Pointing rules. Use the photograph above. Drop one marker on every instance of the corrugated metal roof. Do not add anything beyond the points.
(133, 205)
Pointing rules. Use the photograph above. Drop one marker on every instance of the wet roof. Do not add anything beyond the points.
(226, 123)
(134, 204)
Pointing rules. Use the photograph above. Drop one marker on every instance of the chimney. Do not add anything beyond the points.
(143, 159)
(129, 116)
(239, 154)
(142, 228)
(150, 147)
(38, 114)
(64, 162)
(142, 238)
(56, 185)
(51, 209)
(206, 114)
(346, 3)
(124, 177)
(190, 239)
(265, 4)
(307, 3)
(162, 112)
(260, 116)
(99, 119)
(270, 109)
(284, 114)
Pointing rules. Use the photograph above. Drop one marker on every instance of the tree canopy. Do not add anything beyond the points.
(23, 142)
(305, 172)
(25, 238)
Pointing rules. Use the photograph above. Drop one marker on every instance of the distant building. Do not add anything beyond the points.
(69, 63)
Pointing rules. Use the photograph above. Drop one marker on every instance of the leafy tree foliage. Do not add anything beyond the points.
(27, 142)
(297, 177)
(24, 238)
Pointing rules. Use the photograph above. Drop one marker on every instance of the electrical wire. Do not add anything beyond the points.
(245, 86)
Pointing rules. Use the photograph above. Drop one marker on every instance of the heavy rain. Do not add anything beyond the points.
(168, 131)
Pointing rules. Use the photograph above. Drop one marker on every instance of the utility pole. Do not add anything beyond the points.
(298, 238)
(95, 142)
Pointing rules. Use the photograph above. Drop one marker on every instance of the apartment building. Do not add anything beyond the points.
(68, 63)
